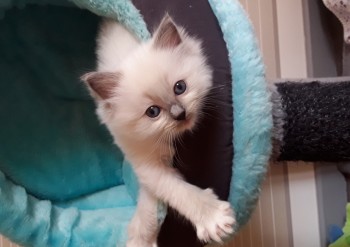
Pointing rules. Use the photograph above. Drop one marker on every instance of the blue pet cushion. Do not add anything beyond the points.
(62, 181)
(51, 141)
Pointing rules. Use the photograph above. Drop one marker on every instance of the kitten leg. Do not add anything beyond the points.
(143, 228)
(213, 218)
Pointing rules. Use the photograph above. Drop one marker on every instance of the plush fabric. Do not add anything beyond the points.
(80, 222)
(62, 181)
(121, 10)
(252, 108)
(51, 141)
(43, 105)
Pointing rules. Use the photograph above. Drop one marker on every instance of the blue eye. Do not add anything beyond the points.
(179, 87)
(153, 111)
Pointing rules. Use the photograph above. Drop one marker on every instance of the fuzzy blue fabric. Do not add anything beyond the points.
(62, 181)
(252, 108)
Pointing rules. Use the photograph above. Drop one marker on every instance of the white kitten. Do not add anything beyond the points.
(148, 94)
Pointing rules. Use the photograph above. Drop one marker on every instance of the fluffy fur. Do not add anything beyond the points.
(134, 76)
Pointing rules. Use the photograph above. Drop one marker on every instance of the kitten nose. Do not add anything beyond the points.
(181, 116)
(178, 112)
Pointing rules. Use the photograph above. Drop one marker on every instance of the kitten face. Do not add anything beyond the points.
(158, 90)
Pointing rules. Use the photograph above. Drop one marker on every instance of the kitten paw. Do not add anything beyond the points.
(217, 219)
(141, 234)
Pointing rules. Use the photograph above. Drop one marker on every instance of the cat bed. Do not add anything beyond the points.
(62, 180)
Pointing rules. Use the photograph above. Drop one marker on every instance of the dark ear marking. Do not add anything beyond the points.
(167, 34)
(102, 84)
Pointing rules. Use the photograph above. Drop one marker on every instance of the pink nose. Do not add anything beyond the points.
(177, 112)
(181, 116)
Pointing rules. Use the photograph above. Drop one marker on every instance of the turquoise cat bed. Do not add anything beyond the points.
(62, 181)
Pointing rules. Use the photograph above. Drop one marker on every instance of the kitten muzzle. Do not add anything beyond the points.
(177, 112)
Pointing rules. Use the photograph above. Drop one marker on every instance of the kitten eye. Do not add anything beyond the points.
(179, 87)
(153, 111)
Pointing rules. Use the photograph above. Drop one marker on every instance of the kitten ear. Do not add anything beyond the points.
(167, 34)
(101, 84)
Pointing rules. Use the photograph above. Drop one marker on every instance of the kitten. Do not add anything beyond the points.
(148, 94)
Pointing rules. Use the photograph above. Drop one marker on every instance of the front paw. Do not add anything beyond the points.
(216, 220)
(141, 234)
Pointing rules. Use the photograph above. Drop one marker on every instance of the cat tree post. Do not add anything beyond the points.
(312, 123)
(312, 120)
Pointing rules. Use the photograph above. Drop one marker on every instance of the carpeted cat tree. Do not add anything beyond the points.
(64, 183)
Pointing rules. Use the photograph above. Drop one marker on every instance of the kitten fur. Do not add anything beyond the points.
(133, 76)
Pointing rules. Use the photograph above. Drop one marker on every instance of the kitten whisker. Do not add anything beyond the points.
(178, 162)
(217, 100)
(181, 141)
